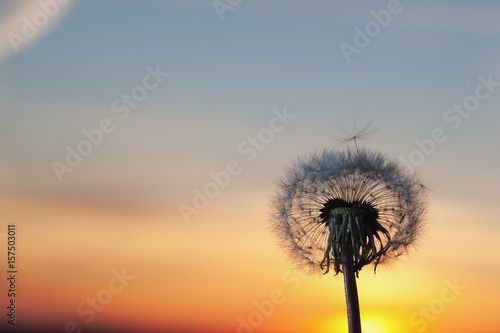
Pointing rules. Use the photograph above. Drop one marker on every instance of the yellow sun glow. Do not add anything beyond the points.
(370, 323)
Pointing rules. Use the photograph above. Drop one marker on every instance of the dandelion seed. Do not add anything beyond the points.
(352, 133)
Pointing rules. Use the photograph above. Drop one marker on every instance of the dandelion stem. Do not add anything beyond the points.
(351, 290)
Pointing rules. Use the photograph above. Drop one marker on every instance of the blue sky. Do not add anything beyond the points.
(226, 76)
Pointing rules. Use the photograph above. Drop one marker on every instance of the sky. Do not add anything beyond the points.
(140, 143)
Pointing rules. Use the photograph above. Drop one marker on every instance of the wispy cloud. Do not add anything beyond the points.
(27, 22)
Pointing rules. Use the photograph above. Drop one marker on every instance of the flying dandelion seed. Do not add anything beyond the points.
(344, 210)
(352, 133)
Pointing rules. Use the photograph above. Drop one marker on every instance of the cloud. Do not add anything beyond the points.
(23, 23)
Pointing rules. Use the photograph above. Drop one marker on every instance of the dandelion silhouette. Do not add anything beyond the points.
(346, 209)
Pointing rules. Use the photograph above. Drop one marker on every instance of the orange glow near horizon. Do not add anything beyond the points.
(175, 279)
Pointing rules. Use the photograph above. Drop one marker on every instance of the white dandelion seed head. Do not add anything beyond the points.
(360, 178)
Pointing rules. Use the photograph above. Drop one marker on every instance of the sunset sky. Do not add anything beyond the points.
(120, 120)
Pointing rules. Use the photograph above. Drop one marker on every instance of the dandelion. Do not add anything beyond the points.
(343, 210)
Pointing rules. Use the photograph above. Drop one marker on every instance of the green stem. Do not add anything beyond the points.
(351, 290)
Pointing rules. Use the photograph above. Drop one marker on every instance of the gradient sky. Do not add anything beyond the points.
(119, 208)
